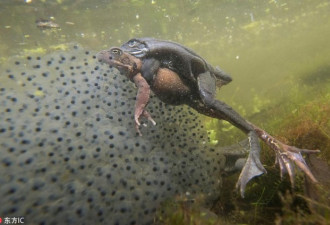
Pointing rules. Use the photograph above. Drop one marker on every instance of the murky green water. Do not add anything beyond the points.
(276, 51)
(269, 47)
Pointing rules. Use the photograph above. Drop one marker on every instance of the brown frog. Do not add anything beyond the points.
(172, 87)
(131, 66)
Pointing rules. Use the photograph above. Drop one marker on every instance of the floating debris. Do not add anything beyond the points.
(46, 24)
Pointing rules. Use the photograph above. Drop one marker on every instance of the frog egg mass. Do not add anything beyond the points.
(70, 153)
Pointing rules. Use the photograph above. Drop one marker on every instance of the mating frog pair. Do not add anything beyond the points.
(177, 75)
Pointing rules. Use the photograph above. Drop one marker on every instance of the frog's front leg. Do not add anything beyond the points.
(142, 99)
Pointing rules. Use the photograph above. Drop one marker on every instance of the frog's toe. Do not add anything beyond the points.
(137, 124)
(152, 121)
(287, 155)
(147, 115)
(137, 128)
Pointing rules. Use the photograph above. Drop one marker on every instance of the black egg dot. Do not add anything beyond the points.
(123, 210)
(25, 142)
(12, 190)
(6, 162)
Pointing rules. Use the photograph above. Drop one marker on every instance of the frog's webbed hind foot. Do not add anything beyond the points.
(253, 166)
(287, 155)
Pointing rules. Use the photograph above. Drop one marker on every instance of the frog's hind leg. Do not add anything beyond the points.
(217, 109)
(285, 154)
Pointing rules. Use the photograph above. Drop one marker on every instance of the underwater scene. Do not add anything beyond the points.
(105, 119)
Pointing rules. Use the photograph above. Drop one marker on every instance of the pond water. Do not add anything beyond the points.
(267, 46)
(276, 51)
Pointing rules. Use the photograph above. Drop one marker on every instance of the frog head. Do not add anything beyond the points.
(124, 62)
(136, 47)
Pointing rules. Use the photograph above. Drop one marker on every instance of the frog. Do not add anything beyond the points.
(179, 76)
(131, 67)
(174, 56)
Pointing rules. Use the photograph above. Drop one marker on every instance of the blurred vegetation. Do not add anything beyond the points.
(268, 200)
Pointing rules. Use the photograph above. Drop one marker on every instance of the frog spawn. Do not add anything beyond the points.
(70, 153)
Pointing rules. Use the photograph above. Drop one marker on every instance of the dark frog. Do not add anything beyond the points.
(180, 59)
(177, 75)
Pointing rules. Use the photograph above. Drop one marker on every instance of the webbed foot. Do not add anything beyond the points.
(253, 166)
(287, 156)
(137, 116)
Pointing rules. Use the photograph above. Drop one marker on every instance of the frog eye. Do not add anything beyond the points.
(116, 51)
(132, 43)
